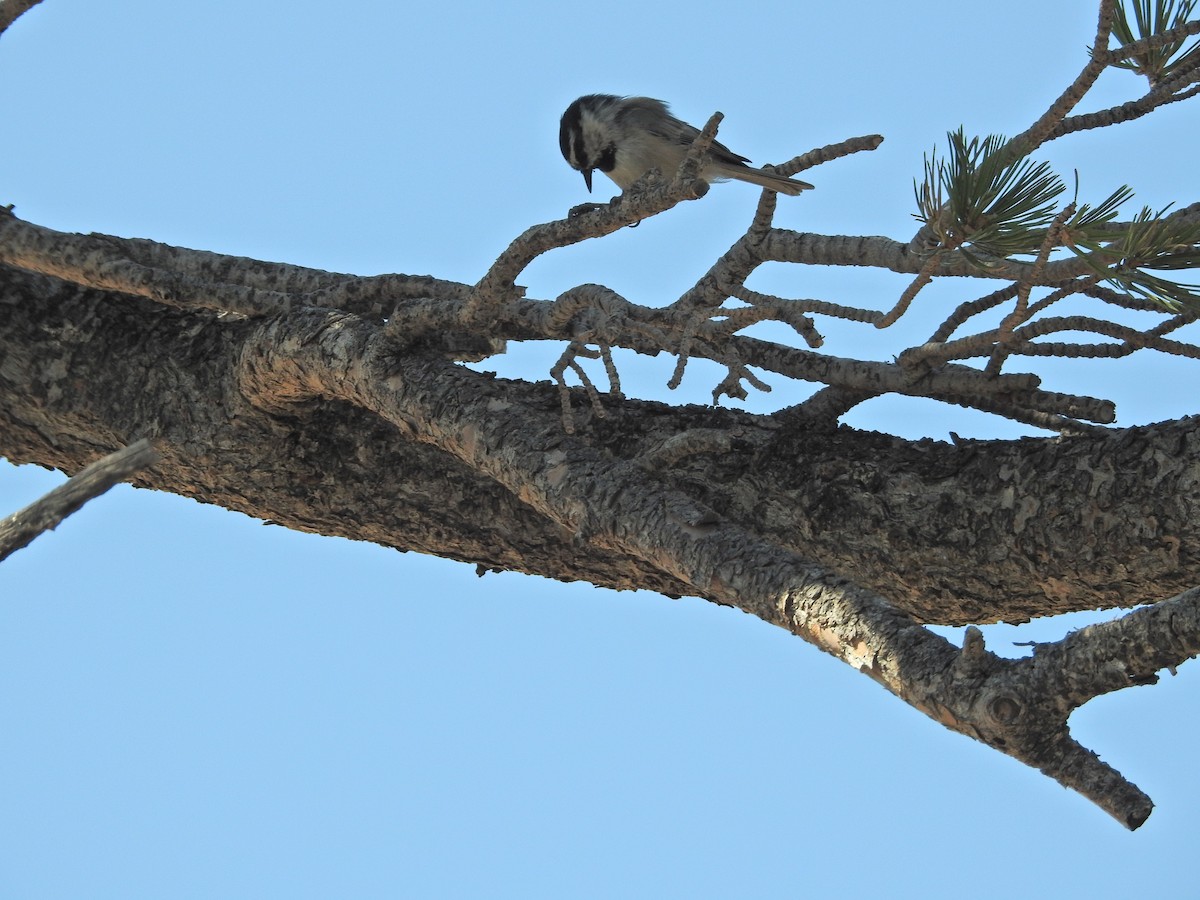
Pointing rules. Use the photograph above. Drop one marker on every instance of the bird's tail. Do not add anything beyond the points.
(768, 180)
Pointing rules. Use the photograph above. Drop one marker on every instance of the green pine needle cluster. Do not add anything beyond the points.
(1151, 241)
(972, 199)
(990, 208)
(1158, 64)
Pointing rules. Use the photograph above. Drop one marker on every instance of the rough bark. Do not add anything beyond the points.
(320, 421)
(953, 534)
(340, 405)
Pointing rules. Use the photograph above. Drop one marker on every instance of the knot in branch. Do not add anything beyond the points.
(1004, 710)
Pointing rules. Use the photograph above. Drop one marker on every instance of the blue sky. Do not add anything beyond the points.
(194, 704)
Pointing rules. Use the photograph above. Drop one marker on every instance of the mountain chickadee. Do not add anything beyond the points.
(626, 137)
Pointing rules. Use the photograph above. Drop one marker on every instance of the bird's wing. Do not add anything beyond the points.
(654, 116)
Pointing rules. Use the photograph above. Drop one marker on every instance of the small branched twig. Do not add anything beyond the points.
(684, 350)
(731, 384)
(570, 359)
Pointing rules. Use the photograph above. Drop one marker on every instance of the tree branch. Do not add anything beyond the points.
(648, 199)
(1013, 707)
(808, 528)
(1154, 41)
(11, 10)
(1037, 134)
(19, 530)
(1169, 92)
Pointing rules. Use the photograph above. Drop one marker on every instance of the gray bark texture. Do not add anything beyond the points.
(324, 421)
(952, 534)
(340, 405)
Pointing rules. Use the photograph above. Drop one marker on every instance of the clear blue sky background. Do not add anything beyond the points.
(193, 704)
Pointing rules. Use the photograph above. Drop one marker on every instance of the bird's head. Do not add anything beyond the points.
(587, 135)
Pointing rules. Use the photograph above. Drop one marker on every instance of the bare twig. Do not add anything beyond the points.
(799, 305)
(972, 308)
(1152, 42)
(627, 209)
(767, 308)
(828, 153)
(570, 360)
(1126, 112)
(19, 529)
(1033, 137)
(1132, 339)
(923, 278)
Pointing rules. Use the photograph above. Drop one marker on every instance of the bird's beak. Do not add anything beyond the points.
(587, 179)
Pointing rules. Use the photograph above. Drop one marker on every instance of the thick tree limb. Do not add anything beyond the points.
(286, 392)
(545, 489)
(1017, 708)
(958, 535)
(431, 310)
(11, 10)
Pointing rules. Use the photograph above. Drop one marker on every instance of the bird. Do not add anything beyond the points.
(626, 137)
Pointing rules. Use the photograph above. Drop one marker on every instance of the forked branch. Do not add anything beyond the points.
(388, 347)
(1019, 707)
